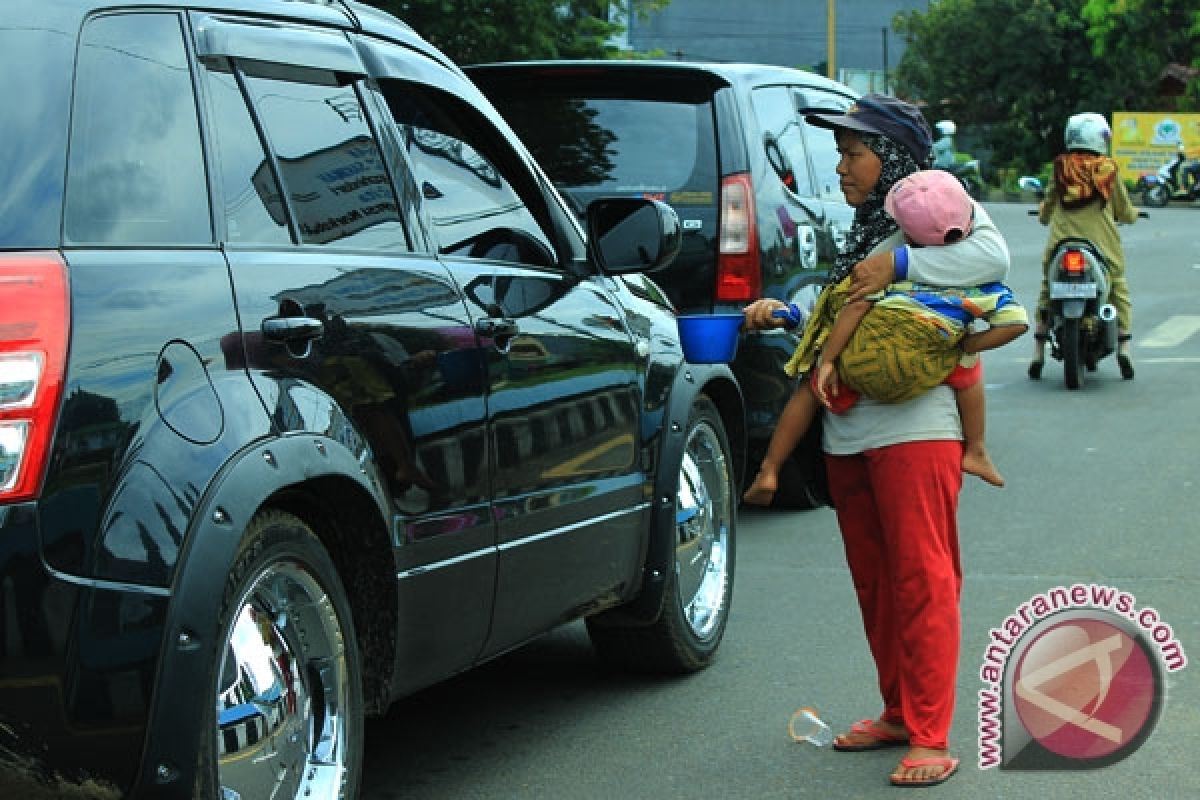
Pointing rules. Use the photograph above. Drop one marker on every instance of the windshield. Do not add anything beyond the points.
(617, 146)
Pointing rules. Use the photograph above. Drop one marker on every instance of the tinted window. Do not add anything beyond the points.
(821, 145)
(329, 164)
(33, 129)
(136, 173)
(593, 146)
(472, 200)
(782, 139)
(253, 214)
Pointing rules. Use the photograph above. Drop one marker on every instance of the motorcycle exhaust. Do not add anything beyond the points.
(1108, 315)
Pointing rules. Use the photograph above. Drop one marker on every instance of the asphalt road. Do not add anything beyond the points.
(1101, 489)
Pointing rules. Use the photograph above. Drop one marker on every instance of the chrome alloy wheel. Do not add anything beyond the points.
(282, 691)
(703, 516)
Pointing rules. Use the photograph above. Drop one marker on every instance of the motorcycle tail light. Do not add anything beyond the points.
(739, 275)
(1073, 262)
(33, 344)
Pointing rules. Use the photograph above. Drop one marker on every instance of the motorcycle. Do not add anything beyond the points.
(1082, 324)
(971, 178)
(1160, 188)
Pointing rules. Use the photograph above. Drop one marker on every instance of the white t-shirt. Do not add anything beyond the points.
(980, 258)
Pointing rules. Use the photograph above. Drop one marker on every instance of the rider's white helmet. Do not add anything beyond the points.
(1088, 131)
(945, 127)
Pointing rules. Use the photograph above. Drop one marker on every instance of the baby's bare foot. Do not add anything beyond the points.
(762, 491)
(978, 462)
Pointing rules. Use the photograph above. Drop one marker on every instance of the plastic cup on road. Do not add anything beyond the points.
(806, 726)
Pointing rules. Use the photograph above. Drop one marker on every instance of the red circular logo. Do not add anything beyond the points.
(1084, 689)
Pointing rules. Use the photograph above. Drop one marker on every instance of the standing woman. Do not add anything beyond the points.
(895, 470)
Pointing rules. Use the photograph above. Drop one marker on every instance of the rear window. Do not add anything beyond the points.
(33, 128)
(594, 144)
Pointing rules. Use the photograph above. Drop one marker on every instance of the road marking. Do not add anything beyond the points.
(1172, 332)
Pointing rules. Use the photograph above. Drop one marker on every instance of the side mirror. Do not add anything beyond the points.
(627, 234)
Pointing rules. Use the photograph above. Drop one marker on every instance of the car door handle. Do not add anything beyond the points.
(292, 329)
(496, 327)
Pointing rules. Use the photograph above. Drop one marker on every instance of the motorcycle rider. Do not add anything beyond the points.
(1176, 163)
(1185, 173)
(943, 146)
(1086, 200)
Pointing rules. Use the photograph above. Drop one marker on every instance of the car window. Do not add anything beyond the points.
(782, 140)
(328, 161)
(472, 198)
(136, 171)
(250, 195)
(822, 148)
(593, 146)
(34, 119)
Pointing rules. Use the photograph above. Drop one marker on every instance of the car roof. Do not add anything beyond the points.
(731, 73)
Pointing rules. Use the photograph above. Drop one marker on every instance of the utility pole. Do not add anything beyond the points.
(885, 61)
(831, 38)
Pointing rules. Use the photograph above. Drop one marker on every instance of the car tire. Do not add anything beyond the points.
(699, 586)
(286, 719)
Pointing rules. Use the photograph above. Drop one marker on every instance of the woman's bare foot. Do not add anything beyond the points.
(871, 734)
(762, 491)
(976, 461)
(924, 766)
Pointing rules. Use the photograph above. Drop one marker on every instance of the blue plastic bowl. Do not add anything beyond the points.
(709, 338)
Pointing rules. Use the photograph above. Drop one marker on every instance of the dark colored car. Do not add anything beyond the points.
(727, 146)
(312, 394)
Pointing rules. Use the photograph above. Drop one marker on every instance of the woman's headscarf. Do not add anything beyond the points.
(871, 223)
(1082, 177)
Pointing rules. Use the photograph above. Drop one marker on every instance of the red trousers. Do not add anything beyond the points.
(897, 508)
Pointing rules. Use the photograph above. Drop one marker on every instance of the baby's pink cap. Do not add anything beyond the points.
(931, 207)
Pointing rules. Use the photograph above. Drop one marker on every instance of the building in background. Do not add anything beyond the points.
(790, 33)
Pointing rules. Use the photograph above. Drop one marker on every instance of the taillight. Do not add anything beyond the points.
(739, 274)
(1073, 262)
(33, 345)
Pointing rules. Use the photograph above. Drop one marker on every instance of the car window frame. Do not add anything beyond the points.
(310, 50)
(185, 39)
(390, 61)
(806, 100)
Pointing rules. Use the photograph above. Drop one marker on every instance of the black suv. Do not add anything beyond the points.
(727, 146)
(313, 393)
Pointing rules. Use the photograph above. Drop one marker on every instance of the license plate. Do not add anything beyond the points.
(1072, 290)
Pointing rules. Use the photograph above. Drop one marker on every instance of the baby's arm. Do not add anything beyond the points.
(996, 336)
(981, 257)
(1006, 321)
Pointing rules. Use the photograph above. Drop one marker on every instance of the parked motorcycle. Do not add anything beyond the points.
(1162, 187)
(971, 178)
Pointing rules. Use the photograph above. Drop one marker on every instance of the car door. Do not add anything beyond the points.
(791, 206)
(823, 159)
(350, 328)
(561, 367)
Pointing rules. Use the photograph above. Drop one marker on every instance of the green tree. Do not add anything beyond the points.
(1147, 37)
(475, 31)
(1019, 68)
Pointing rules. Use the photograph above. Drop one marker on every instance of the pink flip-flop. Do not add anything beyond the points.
(949, 767)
